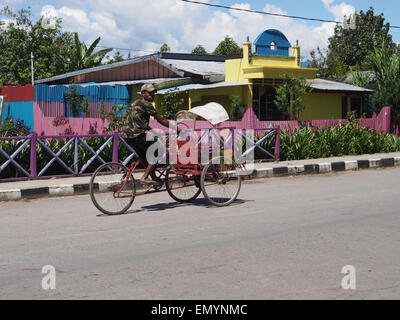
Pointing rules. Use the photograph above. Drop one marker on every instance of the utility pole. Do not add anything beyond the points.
(33, 77)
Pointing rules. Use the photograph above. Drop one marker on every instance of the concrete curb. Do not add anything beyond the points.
(312, 168)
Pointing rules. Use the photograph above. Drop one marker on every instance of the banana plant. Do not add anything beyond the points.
(83, 57)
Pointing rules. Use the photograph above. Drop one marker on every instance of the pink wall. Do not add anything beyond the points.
(46, 125)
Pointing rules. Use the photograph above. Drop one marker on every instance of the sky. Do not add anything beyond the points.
(142, 26)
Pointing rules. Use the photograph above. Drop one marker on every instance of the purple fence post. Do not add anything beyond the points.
(76, 152)
(115, 147)
(278, 143)
(33, 163)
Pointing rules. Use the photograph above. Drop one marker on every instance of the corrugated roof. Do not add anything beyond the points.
(327, 85)
(318, 84)
(179, 67)
(154, 57)
(203, 68)
(188, 87)
(133, 82)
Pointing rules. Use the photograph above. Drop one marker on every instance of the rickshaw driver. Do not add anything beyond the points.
(138, 118)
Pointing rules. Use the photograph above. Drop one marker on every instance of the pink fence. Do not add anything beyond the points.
(45, 125)
(380, 123)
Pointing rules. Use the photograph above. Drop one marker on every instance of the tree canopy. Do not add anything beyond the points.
(227, 47)
(290, 95)
(165, 48)
(349, 46)
(51, 48)
(54, 50)
(199, 49)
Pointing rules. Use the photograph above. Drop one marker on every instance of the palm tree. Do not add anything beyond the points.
(83, 57)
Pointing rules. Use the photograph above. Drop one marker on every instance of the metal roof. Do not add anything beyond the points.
(327, 85)
(178, 66)
(133, 82)
(203, 68)
(318, 84)
(188, 87)
(99, 68)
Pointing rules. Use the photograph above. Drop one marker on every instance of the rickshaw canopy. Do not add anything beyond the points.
(212, 112)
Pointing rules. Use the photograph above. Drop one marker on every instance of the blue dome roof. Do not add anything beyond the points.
(272, 42)
(272, 35)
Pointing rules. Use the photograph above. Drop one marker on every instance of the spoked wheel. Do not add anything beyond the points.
(221, 181)
(111, 192)
(182, 188)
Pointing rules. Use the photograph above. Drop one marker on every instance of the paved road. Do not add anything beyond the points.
(286, 238)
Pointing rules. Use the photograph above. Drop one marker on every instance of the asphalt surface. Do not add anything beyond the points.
(284, 238)
(59, 187)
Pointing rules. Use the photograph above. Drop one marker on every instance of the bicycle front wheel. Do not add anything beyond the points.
(110, 189)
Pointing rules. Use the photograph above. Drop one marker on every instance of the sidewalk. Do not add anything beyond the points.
(80, 185)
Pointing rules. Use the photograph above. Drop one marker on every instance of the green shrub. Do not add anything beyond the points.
(338, 140)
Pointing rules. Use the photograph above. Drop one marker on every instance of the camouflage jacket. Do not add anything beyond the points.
(138, 117)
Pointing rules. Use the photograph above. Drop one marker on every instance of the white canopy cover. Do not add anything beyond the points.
(213, 112)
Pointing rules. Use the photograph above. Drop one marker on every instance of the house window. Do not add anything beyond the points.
(273, 45)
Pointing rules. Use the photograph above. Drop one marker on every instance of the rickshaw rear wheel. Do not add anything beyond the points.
(182, 188)
(221, 180)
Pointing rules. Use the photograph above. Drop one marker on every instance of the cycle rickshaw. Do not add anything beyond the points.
(113, 187)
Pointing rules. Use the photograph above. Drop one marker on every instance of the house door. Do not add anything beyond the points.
(263, 104)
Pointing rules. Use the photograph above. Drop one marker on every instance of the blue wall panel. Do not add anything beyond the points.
(116, 95)
(20, 111)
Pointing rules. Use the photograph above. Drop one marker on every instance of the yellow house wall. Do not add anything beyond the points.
(273, 62)
(322, 106)
(264, 67)
(319, 106)
(234, 71)
(221, 95)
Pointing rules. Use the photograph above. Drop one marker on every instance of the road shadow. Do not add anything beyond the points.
(198, 203)
(102, 215)
(172, 205)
